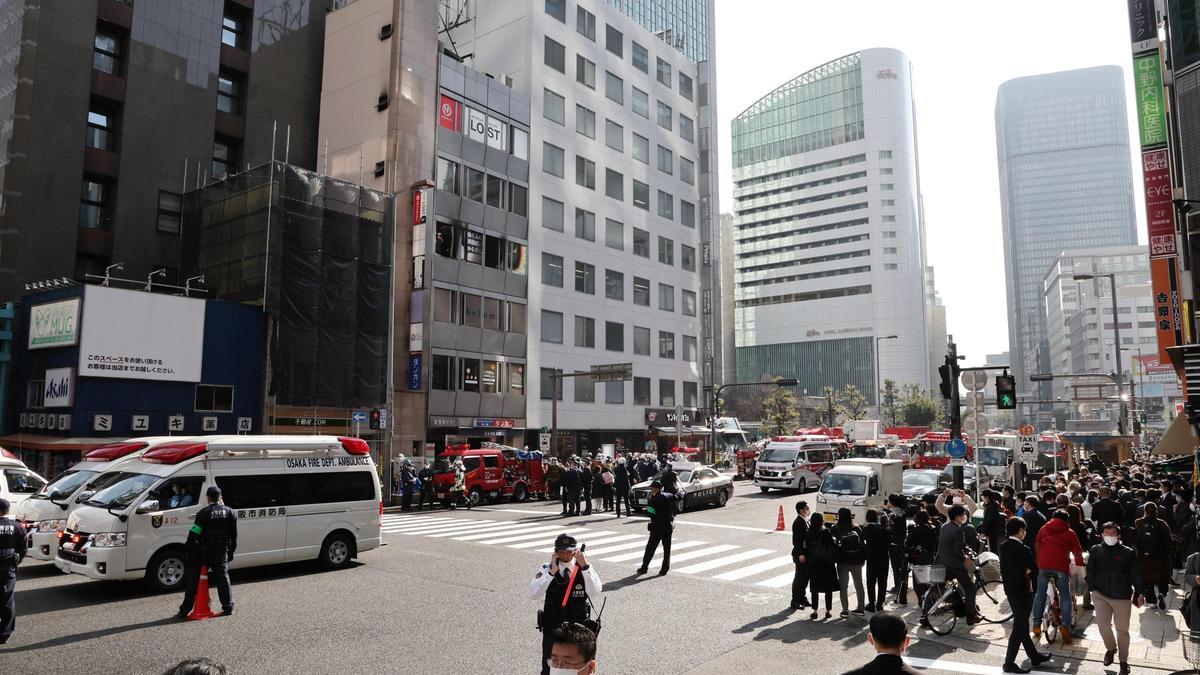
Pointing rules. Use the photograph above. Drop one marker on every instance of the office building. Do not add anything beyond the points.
(829, 238)
(1063, 152)
(935, 329)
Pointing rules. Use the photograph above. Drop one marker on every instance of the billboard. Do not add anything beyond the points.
(54, 324)
(1160, 212)
(1168, 320)
(1148, 89)
(141, 336)
(59, 388)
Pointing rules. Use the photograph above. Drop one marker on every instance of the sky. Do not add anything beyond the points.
(961, 51)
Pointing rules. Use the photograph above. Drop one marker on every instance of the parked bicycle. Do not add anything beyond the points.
(943, 602)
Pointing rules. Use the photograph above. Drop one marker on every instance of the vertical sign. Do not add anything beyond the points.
(1168, 320)
(414, 371)
(476, 125)
(448, 113)
(1143, 27)
(1148, 87)
(420, 206)
(1160, 212)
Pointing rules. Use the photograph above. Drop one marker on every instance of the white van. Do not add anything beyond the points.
(296, 498)
(793, 462)
(858, 485)
(17, 482)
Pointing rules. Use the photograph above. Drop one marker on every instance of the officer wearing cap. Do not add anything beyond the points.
(661, 526)
(12, 550)
(568, 583)
(211, 542)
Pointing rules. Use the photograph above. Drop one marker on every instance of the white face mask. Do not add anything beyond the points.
(1110, 540)
(565, 671)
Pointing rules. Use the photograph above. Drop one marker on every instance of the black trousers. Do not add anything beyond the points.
(426, 494)
(571, 498)
(799, 582)
(877, 575)
(657, 535)
(1149, 591)
(1019, 637)
(900, 574)
(406, 499)
(218, 577)
(8, 605)
(966, 583)
(621, 496)
(587, 501)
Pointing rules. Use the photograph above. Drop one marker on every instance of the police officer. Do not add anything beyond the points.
(211, 542)
(572, 482)
(662, 524)
(569, 583)
(426, 476)
(408, 483)
(12, 550)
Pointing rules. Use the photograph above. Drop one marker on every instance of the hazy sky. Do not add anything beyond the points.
(961, 52)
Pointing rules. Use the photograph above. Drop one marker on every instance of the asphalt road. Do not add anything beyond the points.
(449, 594)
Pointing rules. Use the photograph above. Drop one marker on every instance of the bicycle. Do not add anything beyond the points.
(943, 601)
(1052, 616)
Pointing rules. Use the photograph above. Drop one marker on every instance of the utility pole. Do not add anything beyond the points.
(949, 386)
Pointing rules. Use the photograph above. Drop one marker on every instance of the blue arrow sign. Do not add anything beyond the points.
(359, 416)
(956, 448)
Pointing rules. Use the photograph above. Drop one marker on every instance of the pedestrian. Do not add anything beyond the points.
(597, 488)
(1113, 577)
(1008, 500)
(1056, 546)
(822, 565)
(1107, 509)
(878, 538)
(921, 549)
(1034, 520)
(1018, 569)
(12, 551)
(569, 584)
(898, 532)
(954, 555)
(992, 526)
(426, 476)
(851, 554)
(1152, 541)
(553, 476)
(799, 555)
(888, 634)
(211, 542)
(587, 482)
(460, 485)
(571, 486)
(621, 486)
(661, 508)
(573, 650)
(408, 483)
(608, 480)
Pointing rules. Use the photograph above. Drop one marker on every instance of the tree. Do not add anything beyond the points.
(851, 404)
(830, 407)
(917, 409)
(890, 403)
(779, 412)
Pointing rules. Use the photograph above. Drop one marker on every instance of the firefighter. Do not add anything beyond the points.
(211, 542)
(12, 550)
(569, 583)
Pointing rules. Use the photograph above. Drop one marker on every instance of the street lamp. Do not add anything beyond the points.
(878, 377)
(1120, 377)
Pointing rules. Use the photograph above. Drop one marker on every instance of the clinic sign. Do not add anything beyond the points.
(54, 324)
(1151, 111)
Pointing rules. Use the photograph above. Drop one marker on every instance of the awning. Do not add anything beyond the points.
(686, 431)
(54, 443)
(1178, 440)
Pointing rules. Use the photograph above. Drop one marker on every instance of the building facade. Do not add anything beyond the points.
(935, 328)
(1063, 153)
(829, 242)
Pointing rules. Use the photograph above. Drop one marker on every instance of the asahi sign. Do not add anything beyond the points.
(54, 324)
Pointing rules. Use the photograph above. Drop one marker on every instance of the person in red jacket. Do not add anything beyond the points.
(1056, 546)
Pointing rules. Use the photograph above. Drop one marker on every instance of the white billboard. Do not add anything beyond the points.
(141, 336)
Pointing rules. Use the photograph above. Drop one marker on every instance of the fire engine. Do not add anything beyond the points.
(493, 471)
(931, 451)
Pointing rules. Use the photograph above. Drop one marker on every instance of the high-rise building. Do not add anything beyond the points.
(110, 110)
(1062, 145)
(829, 241)
(935, 328)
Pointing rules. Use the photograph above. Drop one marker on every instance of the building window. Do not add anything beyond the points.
(442, 367)
(35, 392)
(585, 224)
(95, 211)
(666, 160)
(685, 86)
(666, 393)
(585, 388)
(666, 297)
(516, 379)
(614, 185)
(691, 397)
(889, 234)
(666, 344)
(887, 202)
(585, 332)
(170, 211)
(641, 195)
(686, 129)
(687, 302)
(889, 250)
(666, 205)
(476, 181)
(552, 214)
(106, 55)
(493, 254)
(585, 278)
(890, 266)
(229, 93)
(101, 130)
(224, 158)
(614, 88)
(641, 58)
(885, 154)
(554, 107)
(666, 251)
(214, 398)
(614, 392)
(585, 121)
(663, 72)
(641, 148)
(887, 186)
(233, 29)
(641, 391)
(614, 135)
(641, 341)
(585, 72)
(552, 270)
(472, 311)
(519, 144)
(641, 291)
(889, 219)
(614, 336)
(641, 103)
(556, 55)
(548, 385)
(470, 374)
(689, 348)
(553, 159)
(552, 327)
(614, 41)
(614, 234)
(687, 171)
(516, 318)
(447, 175)
(614, 285)
(687, 214)
(491, 312)
(445, 305)
(886, 172)
(664, 115)
(641, 242)
(495, 191)
(687, 257)
(518, 199)
(557, 9)
(585, 172)
(585, 23)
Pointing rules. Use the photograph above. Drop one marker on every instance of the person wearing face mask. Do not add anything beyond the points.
(956, 498)
(568, 583)
(1018, 569)
(992, 526)
(1113, 577)
(1154, 546)
(1034, 520)
(800, 555)
(573, 651)
(953, 554)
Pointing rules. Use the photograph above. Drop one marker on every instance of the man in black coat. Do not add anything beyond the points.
(1106, 509)
(1018, 568)
(12, 551)
(799, 555)
(993, 520)
(621, 487)
(1034, 520)
(662, 524)
(889, 635)
(572, 481)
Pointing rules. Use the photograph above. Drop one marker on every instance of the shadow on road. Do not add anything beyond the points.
(37, 570)
(66, 640)
(765, 621)
(626, 582)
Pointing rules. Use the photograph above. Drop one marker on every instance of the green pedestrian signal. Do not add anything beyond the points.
(1006, 392)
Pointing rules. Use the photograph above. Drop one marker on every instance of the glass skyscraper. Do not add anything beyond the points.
(683, 23)
(1062, 146)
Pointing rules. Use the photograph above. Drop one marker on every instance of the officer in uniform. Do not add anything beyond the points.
(12, 550)
(662, 525)
(211, 542)
(571, 484)
(569, 583)
(426, 476)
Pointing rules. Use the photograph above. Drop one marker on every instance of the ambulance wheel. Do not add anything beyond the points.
(167, 570)
(520, 494)
(803, 487)
(337, 551)
(764, 489)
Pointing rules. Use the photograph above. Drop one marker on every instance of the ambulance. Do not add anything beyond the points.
(296, 498)
(45, 513)
(17, 482)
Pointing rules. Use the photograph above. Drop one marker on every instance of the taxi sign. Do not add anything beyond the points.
(956, 448)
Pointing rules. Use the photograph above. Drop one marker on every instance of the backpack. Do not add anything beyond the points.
(850, 548)
(1148, 543)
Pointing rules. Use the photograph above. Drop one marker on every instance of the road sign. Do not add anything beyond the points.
(976, 426)
(1026, 447)
(973, 400)
(974, 380)
(956, 448)
(359, 417)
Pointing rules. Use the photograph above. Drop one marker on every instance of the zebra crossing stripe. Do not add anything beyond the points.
(639, 543)
(727, 560)
(779, 581)
(602, 542)
(460, 525)
(532, 535)
(692, 555)
(540, 541)
(417, 526)
(484, 526)
(674, 547)
(396, 520)
(508, 529)
(755, 569)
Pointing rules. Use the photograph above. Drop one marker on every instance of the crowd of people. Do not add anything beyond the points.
(584, 484)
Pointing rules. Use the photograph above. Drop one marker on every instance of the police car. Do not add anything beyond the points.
(700, 485)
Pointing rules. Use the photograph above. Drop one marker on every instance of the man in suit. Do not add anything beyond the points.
(799, 555)
(1034, 520)
(1018, 568)
(889, 635)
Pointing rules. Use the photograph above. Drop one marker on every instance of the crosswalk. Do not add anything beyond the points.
(763, 567)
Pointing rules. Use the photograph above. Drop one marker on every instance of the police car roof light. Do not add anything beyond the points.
(174, 453)
(355, 446)
(107, 453)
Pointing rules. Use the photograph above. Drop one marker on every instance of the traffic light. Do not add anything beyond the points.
(374, 419)
(1006, 392)
(949, 373)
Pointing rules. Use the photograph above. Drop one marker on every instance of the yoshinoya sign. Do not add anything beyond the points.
(142, 336)
(59, 390)
(54, 324)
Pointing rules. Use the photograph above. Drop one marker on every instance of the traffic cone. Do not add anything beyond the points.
(200, 609)
(781, 525)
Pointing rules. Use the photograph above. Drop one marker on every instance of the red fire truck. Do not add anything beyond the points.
(931, 450)
(493, 471)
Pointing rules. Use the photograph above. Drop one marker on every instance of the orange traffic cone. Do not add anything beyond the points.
(200, 609)
(781, 525)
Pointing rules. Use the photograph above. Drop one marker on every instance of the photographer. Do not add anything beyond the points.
(568, 583)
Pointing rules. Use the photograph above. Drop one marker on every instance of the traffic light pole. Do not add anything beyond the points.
(955, 416)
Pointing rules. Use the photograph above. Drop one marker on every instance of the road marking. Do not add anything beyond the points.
(407, 523)
(463, 525)
(539, 541)
(727, 560)
(957, 666)
(388, 518)
(603, 543)
(658, 554)
(528, 535)
(692, 555)
(779, 581)
(755, 569)
(431, 527)
(640, 542)
(763, 530)
(513, 529)
(478, 527)
(491, 528)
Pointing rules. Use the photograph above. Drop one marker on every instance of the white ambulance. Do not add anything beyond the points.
(296, 498)
(17, 482)
(45, 513)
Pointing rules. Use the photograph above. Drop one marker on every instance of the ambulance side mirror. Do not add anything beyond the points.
(148, 506)
(84, 496)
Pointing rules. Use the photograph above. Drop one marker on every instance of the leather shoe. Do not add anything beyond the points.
(1040, 659)
(1014, 668)
(641, 570)
(1108, 657)
(662, 572)
(1124, 669)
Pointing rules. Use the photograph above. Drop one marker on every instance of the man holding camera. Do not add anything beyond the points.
(568, 583)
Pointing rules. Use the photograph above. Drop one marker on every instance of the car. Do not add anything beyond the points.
(701, 485)
(947, 477)
(917, 483)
